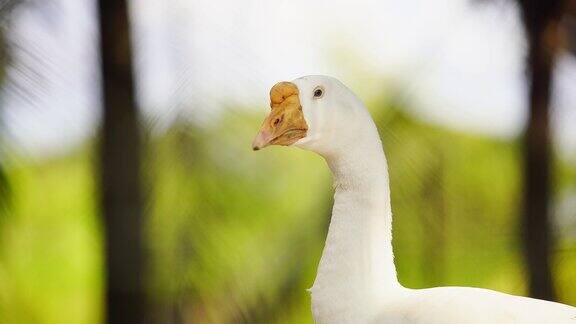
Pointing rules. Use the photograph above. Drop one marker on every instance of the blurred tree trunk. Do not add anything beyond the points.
(569, 23)
(6, 8)
(120, 169)
(541, 22)
(3, 177)
(3, 64)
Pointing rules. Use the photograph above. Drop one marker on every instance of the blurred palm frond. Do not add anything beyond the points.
(6, 7)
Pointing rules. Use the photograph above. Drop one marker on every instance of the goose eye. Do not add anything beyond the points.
(318, 92)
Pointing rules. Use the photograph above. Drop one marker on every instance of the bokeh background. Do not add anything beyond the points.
(228, 235)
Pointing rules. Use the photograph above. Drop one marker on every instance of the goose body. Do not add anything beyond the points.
(356, 280)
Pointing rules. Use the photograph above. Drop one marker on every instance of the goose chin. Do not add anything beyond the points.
(289, 137)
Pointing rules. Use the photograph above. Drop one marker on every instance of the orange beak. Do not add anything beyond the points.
(285, 124)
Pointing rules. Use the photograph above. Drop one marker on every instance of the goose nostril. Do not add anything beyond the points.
(277, 121)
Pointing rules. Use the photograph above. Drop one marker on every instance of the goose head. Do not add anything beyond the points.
(316, 113)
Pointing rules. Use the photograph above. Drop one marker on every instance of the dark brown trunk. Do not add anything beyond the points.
(120, 170)
(541, 21)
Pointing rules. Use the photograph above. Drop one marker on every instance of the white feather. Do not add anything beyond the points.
(356, 280)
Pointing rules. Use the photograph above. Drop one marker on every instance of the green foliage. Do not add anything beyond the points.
(50, 254)
(229, 227)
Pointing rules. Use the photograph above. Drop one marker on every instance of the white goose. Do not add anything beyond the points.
(356, 280)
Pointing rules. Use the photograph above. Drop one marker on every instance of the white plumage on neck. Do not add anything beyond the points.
(357, 264)
(356, 281)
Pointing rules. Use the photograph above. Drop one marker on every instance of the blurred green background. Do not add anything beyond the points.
(234, 236)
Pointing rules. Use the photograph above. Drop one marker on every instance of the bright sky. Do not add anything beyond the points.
(459, 62)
